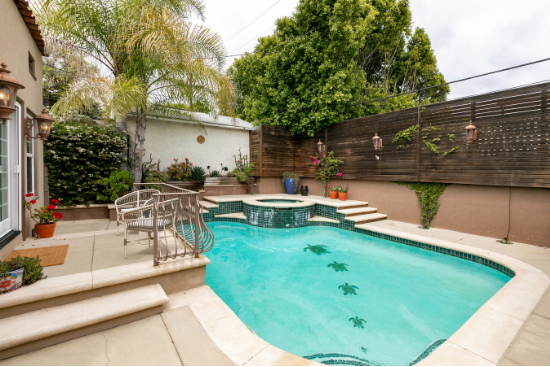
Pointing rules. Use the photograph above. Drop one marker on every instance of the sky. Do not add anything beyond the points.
(469, 37)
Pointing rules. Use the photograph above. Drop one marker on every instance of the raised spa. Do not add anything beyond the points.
(341, 297)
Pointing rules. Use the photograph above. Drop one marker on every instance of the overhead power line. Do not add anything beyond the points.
(258, 17)
(254, 39)
(454, 81)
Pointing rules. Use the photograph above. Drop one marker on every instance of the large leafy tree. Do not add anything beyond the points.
(331, 55)
(155, 56)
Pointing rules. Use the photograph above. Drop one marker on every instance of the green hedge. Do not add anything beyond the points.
(78, 156)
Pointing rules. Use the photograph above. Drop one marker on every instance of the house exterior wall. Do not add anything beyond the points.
(480, 210)
(167, 140)
(16, 43)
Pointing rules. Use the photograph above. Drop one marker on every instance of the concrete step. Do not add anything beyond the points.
(232, 215)
(366, 218)
(38, 329)
(208, 204)
(357, 211)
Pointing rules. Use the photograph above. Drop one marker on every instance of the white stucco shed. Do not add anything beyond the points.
(169, 137)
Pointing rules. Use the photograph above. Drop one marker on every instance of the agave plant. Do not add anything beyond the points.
(198, 173)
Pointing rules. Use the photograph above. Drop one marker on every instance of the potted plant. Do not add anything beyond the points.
(243, 170)
(19, 271)
(291, 180)
(44, 217)
(327, 167)
(343, 193)
(334, 192)
(220, 177)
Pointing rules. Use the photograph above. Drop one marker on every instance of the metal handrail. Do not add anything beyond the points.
(187, 223)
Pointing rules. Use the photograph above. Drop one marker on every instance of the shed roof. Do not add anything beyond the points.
(208, 120)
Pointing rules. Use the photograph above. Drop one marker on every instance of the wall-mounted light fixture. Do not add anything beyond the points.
(471, 132)
(8, 93)
(377, 141)
(322, 148)
(44, 123)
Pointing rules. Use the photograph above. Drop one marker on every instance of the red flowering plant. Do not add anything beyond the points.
(180, 171)
(44, 215)
(327, 167)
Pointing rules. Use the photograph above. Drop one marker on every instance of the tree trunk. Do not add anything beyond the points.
(139, 144)
(122, 126)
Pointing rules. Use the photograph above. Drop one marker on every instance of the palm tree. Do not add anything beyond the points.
(157, 60)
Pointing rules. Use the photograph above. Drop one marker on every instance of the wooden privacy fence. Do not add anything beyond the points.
(512, 146)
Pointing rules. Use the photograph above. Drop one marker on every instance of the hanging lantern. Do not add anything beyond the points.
(377, 141)
(471, 132)
(321, 147)
(44, 123)
(8, 93)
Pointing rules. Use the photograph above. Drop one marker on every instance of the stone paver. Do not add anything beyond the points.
(543, 308)
(75, 226)
(89, 350)
(532, 346)
(191, 340)
(141, 343)
(75, 262)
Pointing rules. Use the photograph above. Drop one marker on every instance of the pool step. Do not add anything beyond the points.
(357, 211)
(366, 218)
(38, 329)
(206, 205)
(232, 216)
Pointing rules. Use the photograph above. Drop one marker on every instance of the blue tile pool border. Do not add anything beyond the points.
(330, 212)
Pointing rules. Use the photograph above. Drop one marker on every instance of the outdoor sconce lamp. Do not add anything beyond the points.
(322, 148)
(44, 123)
(471, 132)
(377, 141)
(8, 93)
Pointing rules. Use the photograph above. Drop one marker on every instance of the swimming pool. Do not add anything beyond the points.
(326, 293)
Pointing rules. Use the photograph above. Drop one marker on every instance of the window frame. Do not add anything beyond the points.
(32, 156)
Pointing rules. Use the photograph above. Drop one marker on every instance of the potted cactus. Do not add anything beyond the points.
(343, 193)
(334, 191)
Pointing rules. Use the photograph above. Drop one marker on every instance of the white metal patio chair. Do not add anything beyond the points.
(132, 201)
(141, 220)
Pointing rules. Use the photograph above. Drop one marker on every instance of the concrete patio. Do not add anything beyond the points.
(195, 323)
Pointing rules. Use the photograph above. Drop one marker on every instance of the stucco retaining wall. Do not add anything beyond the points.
(480, 210)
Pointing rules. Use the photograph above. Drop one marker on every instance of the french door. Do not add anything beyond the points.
(10, 173)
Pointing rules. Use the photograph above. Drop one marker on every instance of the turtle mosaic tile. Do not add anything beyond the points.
(298, 217)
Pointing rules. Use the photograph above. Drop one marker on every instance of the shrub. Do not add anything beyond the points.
(116, 185)
(215, 174)
(33, 269)
(198, 174)
(154, 177)
(77, 157)
(180, 171)
(241, 176)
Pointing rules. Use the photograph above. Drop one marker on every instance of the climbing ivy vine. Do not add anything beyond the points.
(408, 133)
(428, 194)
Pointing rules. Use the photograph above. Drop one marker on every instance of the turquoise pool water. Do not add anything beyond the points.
(377, 300)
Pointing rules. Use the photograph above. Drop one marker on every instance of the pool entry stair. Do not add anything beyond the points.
(282, 210)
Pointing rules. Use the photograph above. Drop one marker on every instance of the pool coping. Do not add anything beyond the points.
(304, 203)
(485, 337)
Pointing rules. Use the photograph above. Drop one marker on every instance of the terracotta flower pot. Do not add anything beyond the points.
(44, 230)
(343, 196)
(333, 194)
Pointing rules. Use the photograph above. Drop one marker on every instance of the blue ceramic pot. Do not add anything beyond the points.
(291, 186)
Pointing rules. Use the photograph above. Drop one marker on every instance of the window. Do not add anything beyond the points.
(31, 66)
(30, 162)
